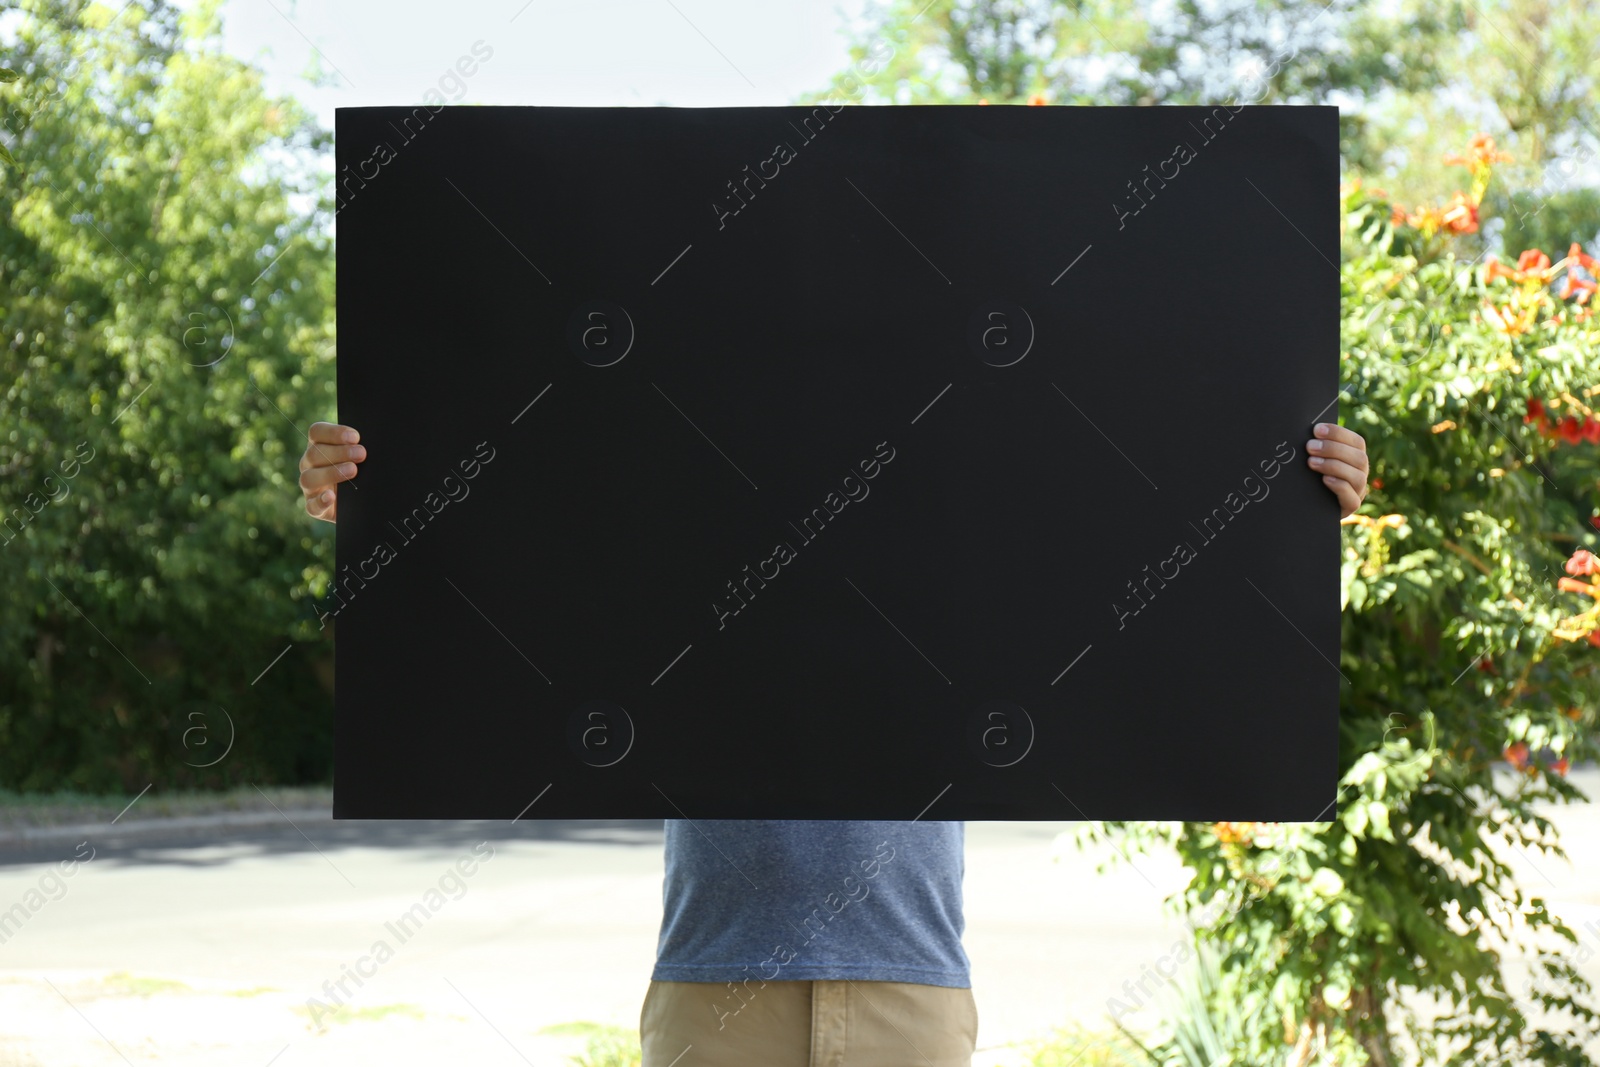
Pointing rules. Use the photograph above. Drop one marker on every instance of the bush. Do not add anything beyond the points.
(1468, 644)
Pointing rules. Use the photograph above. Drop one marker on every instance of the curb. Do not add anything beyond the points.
(27, 838)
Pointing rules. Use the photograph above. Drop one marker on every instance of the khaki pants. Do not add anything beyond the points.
(843, 1023)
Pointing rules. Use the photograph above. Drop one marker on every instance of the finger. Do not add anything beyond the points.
(322, 505)
(1348, 500)
(316, 479)
(1332, 431)
(332, 433)
(1355, 457)
(328, 455)
(1338, 469)
(320, 437)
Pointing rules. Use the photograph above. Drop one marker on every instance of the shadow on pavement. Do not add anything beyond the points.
(183, 843)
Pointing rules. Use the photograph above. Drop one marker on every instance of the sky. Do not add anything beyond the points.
(682, 53)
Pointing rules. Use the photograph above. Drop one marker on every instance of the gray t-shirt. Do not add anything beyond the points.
(783, 900)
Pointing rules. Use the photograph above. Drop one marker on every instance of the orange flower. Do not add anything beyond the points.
(1517, 755)
(1493, 269)
(1561, 766)
(1572, 283)
(1037, 99)
(1583, 562)
(1577, 255)
(1594, 638)
(1231, 833)
(1481, 152)
(1532, 266)
(1533, 261)
(1572, 585)
(1460, 215)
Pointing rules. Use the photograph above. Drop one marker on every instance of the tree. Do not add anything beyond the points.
(168, 327)
(1411, 78)
(1136, 52)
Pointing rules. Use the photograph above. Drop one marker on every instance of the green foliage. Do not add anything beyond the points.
(167, 324)
(1458, 643)
(1537, 220)
(1410, 77)
(1205, 1027)
(1073, 1046)
(1139, 52)
(1542, 58)
(37, 809)
(608, 1046)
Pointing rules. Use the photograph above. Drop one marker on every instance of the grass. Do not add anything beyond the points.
(608, 1046)
(67, 808)
(123, 984)
(383, 1011)
(1077, 1047)
(580, 1029)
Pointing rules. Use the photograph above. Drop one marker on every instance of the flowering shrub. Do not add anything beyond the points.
(1471, 610)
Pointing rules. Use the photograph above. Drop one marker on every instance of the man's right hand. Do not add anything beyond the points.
(330, 458)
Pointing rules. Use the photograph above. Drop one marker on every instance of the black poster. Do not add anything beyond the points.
(837, 463)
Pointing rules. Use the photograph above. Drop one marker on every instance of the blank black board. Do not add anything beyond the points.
(835, 462)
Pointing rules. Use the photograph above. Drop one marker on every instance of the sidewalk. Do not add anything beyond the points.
(190, 942)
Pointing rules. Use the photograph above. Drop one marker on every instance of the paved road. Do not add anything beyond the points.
(203, 951)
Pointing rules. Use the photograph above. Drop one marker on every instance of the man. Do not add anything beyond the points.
(825, 943)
